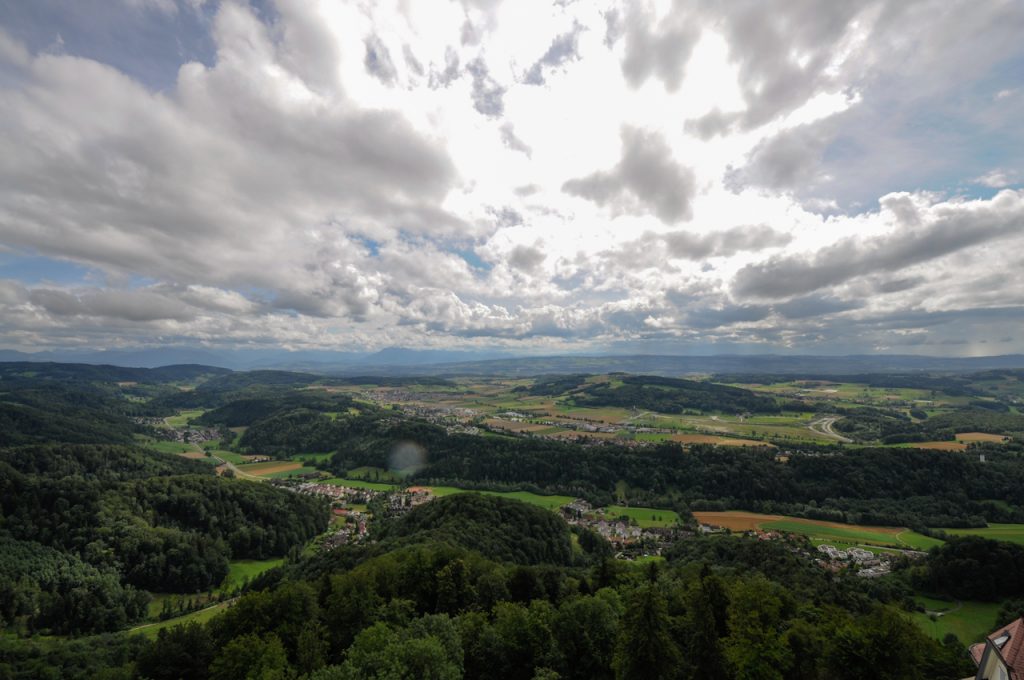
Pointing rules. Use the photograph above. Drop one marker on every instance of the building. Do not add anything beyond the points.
(1001, 655)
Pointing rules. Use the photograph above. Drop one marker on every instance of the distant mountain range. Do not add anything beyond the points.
(399, 361)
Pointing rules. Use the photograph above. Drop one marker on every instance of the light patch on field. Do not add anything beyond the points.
(716, 440)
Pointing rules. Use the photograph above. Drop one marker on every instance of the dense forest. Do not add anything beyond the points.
(436, 609)
(154, 521)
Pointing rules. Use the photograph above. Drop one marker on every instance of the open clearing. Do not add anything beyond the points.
(645, 517)
(1013, 533)
(181, 420)
(891, 536)
(241, 570)
(150, 630)
(970, 621)
(270, 467)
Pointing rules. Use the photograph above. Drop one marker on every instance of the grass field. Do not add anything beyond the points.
(1014, 533)
(969, 621)
(240, 570)
(314, 457)
(645, 517)
(814, 529)
(549, 502)
(374, 474)
(716, 440)
(182, 418)
(229, 456)
(360, 484)
(150, 630)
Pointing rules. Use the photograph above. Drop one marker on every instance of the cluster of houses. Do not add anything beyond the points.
(866, 563)
(626, 537)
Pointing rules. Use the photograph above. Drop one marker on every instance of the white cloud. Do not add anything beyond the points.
(350, 175)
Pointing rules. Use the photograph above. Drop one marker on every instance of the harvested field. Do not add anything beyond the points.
(736, 520)
(262, 469)
(194, 455)
(939, 446)
(968, 437)
(716, 440)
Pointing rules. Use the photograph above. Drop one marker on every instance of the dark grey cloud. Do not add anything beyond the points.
(954, 228)
(692, 246)
(710, 317)
(525, 258)
(488, 95)
(815, 306)
(129, 305)
(659, 48)
(377, 60)
(563, 48)
(899, 285)
(789, 160)
(647, 180)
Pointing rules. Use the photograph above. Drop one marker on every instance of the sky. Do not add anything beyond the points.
(681, 177)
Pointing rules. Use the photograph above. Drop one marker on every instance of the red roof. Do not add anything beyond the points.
(1009, 640)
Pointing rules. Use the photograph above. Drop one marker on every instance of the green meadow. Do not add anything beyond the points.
(181, 420)
(645, 517)
(970, 621)
(861, 534)
(549, 502)
(360, 484)
(1014, 533)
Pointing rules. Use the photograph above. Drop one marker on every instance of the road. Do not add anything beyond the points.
(824, 425)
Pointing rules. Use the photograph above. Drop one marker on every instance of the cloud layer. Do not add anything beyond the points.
(677, 177)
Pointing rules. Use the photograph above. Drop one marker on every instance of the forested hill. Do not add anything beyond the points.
(498, 528)
(721, 607)
(672, 395)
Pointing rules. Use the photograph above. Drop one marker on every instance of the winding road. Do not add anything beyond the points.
(824, 425)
